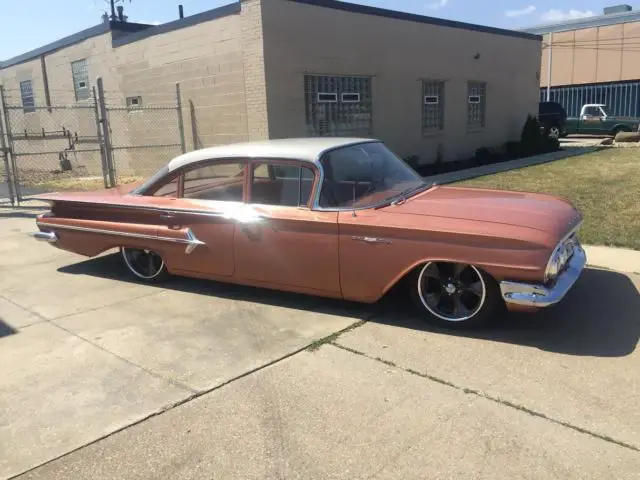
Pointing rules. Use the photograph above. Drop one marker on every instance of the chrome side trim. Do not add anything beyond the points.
(190, 240)
(372, 240)
(50, 237)
(537, 295)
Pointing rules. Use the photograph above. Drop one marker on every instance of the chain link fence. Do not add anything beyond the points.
(85, 145)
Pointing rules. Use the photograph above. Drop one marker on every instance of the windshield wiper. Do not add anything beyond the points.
(403, 195)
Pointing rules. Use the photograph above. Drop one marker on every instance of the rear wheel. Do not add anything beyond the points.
(455, 295)
(144, 264)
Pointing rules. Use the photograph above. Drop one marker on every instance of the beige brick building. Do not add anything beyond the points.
(277, 68)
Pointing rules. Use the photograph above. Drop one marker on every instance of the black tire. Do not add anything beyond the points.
(156, 270)
(490, 307)
(554, 132)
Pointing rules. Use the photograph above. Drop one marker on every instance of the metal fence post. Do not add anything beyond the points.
(5, 151)
(103, 157)
(14, 174)
(183, 144)
(108, 152)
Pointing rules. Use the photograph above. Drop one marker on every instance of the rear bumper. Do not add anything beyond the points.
(536, 295)
(50, 237)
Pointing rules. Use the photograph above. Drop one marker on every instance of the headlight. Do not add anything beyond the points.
(560, 258)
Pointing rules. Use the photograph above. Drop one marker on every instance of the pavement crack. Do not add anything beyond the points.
(501, 401)
(171, 381)
(194, 395)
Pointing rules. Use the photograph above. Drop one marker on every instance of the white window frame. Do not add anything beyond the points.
(437, 97)
(356, 100)
(475, 99)
(135, 106)
(333, 94)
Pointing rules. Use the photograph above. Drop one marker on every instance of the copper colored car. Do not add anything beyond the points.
(335, 217)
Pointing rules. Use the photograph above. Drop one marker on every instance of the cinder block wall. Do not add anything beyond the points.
(398, 54)
(207, 60)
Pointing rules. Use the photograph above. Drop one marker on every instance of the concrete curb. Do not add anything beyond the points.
(510, 165)
(611, 258)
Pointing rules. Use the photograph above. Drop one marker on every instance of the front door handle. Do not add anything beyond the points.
(167, 216)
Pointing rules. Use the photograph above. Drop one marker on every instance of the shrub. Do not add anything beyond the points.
(531, 137)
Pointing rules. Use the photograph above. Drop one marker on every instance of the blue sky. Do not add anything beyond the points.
(37, 22)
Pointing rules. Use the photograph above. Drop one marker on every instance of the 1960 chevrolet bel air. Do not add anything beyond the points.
(336, 217)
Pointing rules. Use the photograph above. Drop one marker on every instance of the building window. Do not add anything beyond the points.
(432, 106)
(338, 106)
(80, 72)
(134, 102)
(476, 104)
(26, 93)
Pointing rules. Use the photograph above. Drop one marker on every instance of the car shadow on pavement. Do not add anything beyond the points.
(110, 266)
(599, 317)
(6, 329)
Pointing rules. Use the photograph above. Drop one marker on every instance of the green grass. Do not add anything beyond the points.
(604, 185)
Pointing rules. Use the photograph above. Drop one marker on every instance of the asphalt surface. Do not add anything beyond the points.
(104, 377)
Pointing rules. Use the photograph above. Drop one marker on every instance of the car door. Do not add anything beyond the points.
(592, 121)
(203, 214)
(283, 242)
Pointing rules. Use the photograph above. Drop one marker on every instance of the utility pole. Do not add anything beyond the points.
(549, 62)
(113, 10)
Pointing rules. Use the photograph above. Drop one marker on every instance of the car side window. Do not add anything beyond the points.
(281, 184)
(168, 190)
(218, 181)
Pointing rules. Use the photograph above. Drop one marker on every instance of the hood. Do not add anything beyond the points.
(537, 211)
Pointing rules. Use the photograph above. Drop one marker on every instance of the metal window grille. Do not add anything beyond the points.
(432, 106)
(477, 104)
(338, 106)
(80, 73)
(28, 99)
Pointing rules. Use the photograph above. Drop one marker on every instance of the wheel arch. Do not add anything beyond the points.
(620, 127)
(496, 272)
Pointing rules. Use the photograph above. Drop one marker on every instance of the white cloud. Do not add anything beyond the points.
(437, 4)
(556, 15)
(520, 12)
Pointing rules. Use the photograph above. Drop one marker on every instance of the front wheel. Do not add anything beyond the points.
(554, 132)
(144, 264)
(455, 295)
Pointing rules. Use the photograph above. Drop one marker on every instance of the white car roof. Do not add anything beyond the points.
(303, 149)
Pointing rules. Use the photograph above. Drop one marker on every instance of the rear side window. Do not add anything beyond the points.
(281, 184)
(169, 189)
(218, 181)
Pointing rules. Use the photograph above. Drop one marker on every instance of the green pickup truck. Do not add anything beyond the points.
(595, 119)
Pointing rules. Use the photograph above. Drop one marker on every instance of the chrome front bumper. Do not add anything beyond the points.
(536, 295)
(50, 237)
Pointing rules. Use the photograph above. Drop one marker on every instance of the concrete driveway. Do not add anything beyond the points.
(107, 378)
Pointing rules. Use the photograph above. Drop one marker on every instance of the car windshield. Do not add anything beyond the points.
(366, 175)
(605, 110)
